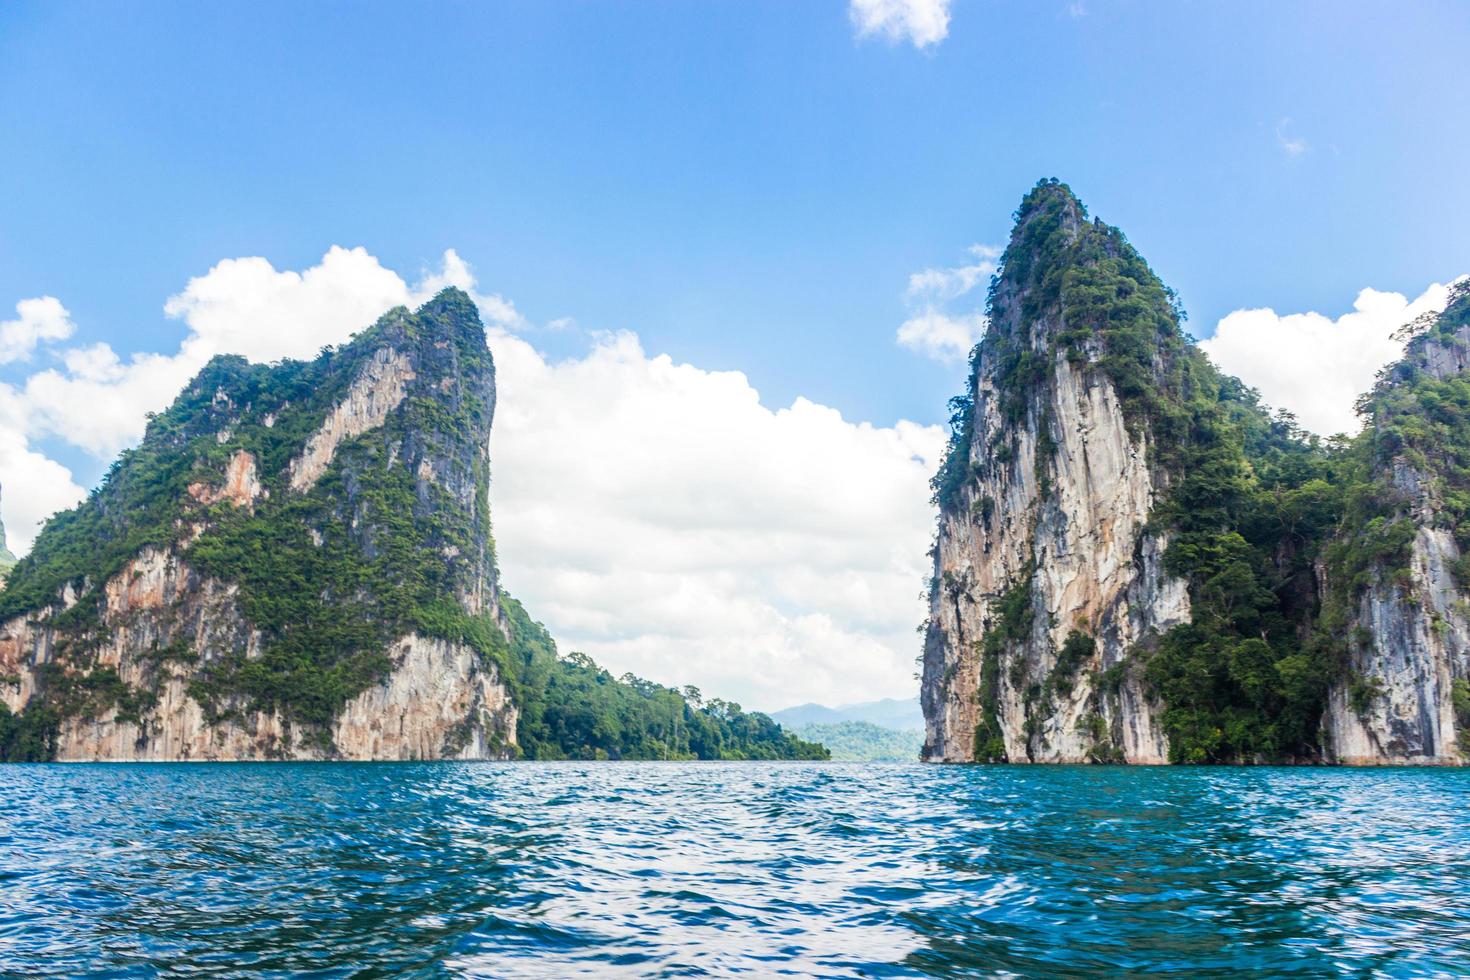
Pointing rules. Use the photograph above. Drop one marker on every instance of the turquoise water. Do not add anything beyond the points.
(559, 870)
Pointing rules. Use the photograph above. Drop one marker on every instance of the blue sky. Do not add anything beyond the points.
(746, 186)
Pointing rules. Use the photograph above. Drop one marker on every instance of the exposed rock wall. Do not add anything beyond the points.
(311, 525)
(378, 390)
(1419, 644)
(241, 485)
(440, 701)
(1411, 636)
(1091, 567)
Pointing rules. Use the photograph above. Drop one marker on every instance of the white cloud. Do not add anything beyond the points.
(247, 307)
(1313, 365)
(931, 329)
(34, 487)
(944, 338)
(98, 401)
(40, 320)
(921, 22)
(935, 286)
(653, 514)
(1292, 146)
(662, 519)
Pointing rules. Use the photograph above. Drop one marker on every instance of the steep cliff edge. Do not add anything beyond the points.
(295, 563)
(1044, 572)
(1124, 568)
(1397, 572)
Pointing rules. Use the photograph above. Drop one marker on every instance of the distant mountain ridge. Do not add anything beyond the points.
(898, 714)
(863, 741)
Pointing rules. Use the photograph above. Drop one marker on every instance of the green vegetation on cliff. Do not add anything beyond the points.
(392, 538)
(1251, 504)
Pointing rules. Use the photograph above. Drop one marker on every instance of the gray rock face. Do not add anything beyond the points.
(1419, 644)
(1090, 564)
(1083, 448)
(131, 665)
(1411, 634)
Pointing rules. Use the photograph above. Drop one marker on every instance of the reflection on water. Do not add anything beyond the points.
(693, 869)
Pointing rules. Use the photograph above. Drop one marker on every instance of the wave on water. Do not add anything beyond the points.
(719, 869)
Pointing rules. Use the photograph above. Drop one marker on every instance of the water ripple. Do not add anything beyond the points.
(679, 870)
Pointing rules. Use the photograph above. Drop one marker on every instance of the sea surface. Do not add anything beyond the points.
(733, 869)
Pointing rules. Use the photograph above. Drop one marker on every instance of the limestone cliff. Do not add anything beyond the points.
(1137, 562)
(1043, 536)
(1405, 696)
(295, 563)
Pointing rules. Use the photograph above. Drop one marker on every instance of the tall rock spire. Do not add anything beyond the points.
(1047, 575)
(1131, 549)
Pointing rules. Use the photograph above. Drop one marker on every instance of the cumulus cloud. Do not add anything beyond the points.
(920, 22)
(655, 515)
(931, 328)
(247, 307)
(98, 401)
(40, 320)
(1313, 365)
(34, 486)
(665, 521)
(934, 286)
(944, 338)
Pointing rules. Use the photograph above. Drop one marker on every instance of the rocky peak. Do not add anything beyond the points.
(1136, 561)
(1045, 572)
(1131, 549)
(297, 563)
(295, 534)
